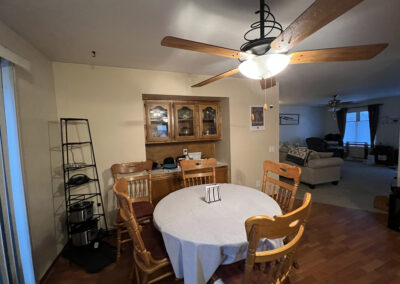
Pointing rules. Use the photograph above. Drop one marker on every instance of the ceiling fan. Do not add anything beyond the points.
(267, 55)
(335, 104)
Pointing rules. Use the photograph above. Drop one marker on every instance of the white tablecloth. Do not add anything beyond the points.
(199, 236)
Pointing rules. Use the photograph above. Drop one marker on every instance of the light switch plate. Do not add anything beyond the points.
(271, 149)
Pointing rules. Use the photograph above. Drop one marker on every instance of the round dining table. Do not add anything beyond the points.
(200, 236)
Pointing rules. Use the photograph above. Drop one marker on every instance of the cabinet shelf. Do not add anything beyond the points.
(74, 186)
(81, 197)
(76, 193)
(94, 217)
(158, 120)
(75, 167)
(76, 143)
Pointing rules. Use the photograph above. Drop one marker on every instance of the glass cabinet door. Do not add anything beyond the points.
(209, 121)
(185, 127)
(159, 127)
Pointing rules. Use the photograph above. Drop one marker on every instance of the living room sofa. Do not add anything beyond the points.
(320, 168)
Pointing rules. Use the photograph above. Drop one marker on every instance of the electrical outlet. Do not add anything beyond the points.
(258, 183)
(185, 152)
(271, 149)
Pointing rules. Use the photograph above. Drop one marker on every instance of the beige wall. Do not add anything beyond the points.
(223, 147)
(111, 98)
(36, 106)
(311, 124)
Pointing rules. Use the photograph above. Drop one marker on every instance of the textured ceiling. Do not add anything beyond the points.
(127, 33)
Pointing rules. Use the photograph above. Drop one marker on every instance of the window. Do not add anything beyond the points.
(357, 127)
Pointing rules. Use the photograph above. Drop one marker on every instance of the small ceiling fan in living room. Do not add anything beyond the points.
(335, 104)
(266, 55)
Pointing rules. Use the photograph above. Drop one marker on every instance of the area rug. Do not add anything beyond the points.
(90, 258)
(357, 188)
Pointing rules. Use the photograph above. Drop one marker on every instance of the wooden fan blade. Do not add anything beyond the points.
(215, 78)
(320, 13)
(199, 47)
(350, 53)
(268, 83)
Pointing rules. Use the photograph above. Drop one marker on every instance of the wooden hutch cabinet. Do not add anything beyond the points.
(158, 121)
(180, 121)
(185, 121)
(210, 124)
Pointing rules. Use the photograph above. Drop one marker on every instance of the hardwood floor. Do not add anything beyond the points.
(344, 245)
(340, 245)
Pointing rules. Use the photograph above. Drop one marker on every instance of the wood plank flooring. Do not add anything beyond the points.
(340, 245)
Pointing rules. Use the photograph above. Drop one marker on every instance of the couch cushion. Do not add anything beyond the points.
(325, 163)
(324, 155)
(298, 155)
(284, 149)
(314, 155)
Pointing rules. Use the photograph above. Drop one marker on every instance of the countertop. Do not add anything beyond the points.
(178, 169)
(159, 172)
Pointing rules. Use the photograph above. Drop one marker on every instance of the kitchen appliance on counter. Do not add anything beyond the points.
(78, 179)
(81, 212)
(169, 163)
(84, 233)
(195, 156)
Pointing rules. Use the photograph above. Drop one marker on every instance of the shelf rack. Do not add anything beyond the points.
(73, 193)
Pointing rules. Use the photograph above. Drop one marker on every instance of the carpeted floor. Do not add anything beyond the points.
(359, 185)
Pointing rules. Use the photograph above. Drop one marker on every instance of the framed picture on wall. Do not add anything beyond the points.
(289, 119)
(257, 118)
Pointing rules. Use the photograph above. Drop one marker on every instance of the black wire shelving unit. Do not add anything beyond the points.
(73, 193)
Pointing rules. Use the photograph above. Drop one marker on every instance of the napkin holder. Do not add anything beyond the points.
(212, 193)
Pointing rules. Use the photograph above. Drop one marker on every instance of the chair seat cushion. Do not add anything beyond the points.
(234, 273)
(153, 241)
(142, 209)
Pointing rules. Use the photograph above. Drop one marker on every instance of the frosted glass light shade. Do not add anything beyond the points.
(265, 66)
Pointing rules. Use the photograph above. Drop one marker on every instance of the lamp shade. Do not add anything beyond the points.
(265, 66)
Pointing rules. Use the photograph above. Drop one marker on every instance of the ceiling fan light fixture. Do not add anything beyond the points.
(265, 66)
(334, 109)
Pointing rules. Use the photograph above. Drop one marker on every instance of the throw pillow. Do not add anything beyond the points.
(298, 155)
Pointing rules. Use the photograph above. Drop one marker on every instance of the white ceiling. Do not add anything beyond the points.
(127, 33)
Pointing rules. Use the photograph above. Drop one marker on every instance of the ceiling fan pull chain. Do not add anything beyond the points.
(265, 94)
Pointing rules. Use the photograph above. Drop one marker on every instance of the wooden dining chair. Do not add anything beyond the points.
(283, 192)
(270, 266)
(196, 172)
(140, 192)
(150, 259)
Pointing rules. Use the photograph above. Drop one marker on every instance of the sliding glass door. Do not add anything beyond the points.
(15, 248)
